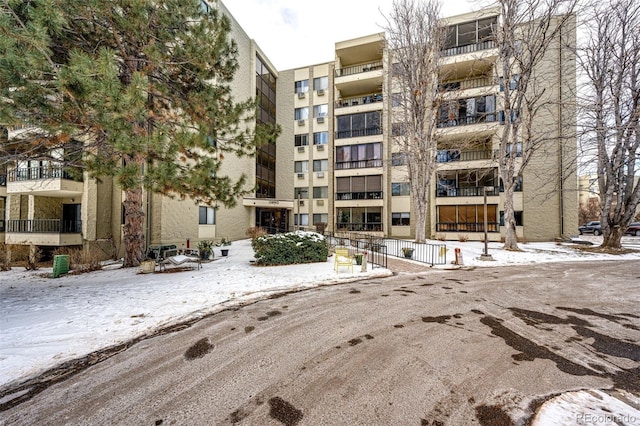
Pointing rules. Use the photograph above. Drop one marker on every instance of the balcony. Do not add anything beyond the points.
(3, 180)
(358, 69)
(469, 48)
(466, 191)
(49, 180)
(45, 232)
(471, 83)
(466, 227)
(369, 195)
(450, 155)
(359, 100)
(359, 164)
(354, 133)
(466, 120)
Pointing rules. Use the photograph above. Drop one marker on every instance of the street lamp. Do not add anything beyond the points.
(485, 255)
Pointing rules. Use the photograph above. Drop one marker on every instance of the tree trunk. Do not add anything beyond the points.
(611, 237)
(133, 228)
(510, 237)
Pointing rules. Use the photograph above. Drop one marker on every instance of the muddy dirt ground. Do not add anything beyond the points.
(484, 346)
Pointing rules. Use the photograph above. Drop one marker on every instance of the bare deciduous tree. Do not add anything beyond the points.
(610, 65)
(527, 30)
(414, 41)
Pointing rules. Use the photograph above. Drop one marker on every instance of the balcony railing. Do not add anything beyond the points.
(3, 180)
(472, 83)
(367, 226)
(467, 191)
(38, 173)
(467, 120)
(358, 164)
(448, 155)
(466, 227)
(357, 69)
(359, 100)
(369, 195)
(44, 226)
(354, 133)
(469, 48)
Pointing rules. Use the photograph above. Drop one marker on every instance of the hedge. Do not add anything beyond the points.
(290, 248)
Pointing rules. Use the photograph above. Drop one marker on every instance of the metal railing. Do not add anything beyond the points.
(491, 117)
(357, 69)
(466, 191)
(37, 173)
(472, 83)
(44, 226)
(354, 133)
(379, 248)
(448, 155)
(358, 164)
(466, 227)
(366, 195)
(359, 100)
(469, 48)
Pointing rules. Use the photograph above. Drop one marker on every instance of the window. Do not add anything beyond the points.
(302, 113)
(400, 189)
(398, 159)
(301, 140)
(320, 83)
(320, 192)
(513, 84)
(396, 100)
(320, 110)
(304, 219)
(301, 193)
(517, 215)
(320, 165)
(362, 124)
(204, 7)
(398, 129)
(301, 167)
(207, 216)
(400, 219)
(509, 147)
(359, 156)
(321, 138)
(320, 218)
(302, 86)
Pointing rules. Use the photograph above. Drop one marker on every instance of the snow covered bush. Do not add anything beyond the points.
(290, 248)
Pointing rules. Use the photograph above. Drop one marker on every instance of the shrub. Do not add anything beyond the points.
(441, 237)
(23, 254)
(255, 232)
(463, 238)
(82, 259)
(290, 248)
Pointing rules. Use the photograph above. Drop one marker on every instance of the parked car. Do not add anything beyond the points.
(592, 227)
(633, 229)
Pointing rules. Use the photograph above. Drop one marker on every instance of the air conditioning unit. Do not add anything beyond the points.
(320, 147)
(320, 120)
(301, 95)
(320, 92)
(320, 174)
(320, 202)
(301, 149)
(301, 202)
(300, 175)
(300, 122)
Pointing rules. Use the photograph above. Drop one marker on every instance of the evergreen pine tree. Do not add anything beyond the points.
(140, 87)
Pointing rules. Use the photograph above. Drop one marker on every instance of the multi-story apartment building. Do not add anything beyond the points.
(335, 162)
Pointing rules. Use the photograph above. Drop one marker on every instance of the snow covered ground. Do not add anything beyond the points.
(47, 321)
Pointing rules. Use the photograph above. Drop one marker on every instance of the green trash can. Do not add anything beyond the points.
(60, 265)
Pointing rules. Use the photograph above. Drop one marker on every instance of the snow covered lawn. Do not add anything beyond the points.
(48, 321)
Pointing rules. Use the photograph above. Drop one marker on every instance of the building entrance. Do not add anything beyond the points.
(273, 220)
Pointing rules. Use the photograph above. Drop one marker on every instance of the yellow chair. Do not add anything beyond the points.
(343, 259)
